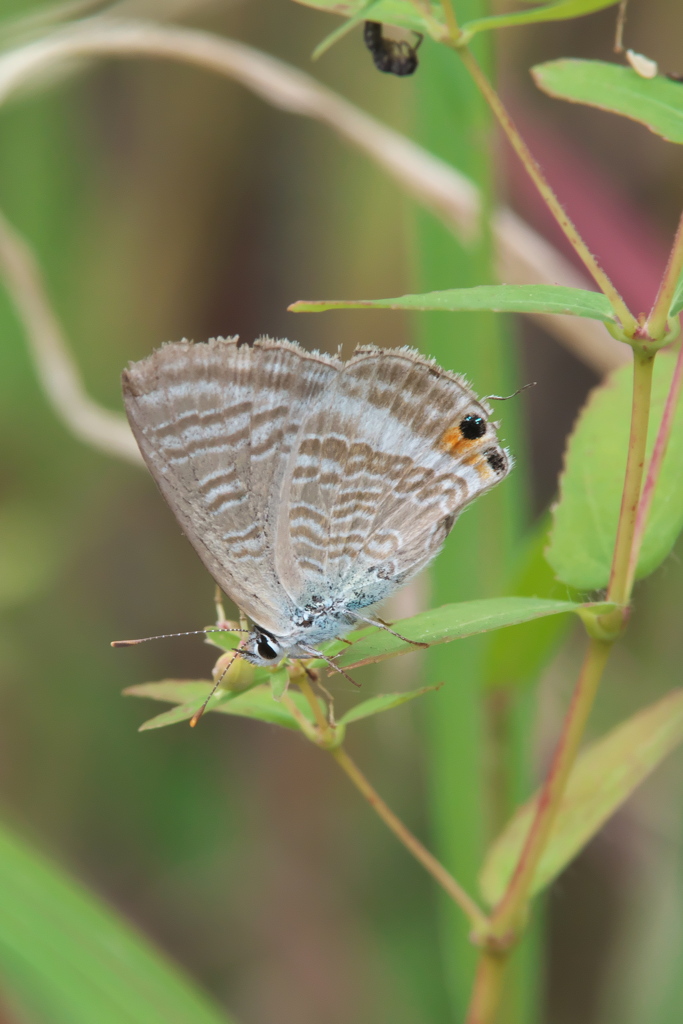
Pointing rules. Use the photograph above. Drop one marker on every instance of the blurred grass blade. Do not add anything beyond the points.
(655, 102)
(603, 778)
(383, 702)
(499, 298)
(561, 10)
(517, 654)
(451, 622)
(585, 517)
(67, 958)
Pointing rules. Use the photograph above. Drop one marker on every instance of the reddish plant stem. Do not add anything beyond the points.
(507, 915)
(628, 321)
(619, 589)
(655, 327)
(488, 988)
(654, 469)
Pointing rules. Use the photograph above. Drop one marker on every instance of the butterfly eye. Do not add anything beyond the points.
(265, 650)
(472, 427)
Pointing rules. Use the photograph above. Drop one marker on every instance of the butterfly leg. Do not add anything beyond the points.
(383, 625)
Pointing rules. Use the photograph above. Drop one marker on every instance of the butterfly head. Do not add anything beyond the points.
(262, 648)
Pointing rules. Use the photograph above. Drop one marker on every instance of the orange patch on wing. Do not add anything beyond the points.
(457, 445)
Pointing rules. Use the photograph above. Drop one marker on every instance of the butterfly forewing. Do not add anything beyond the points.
(215, 423)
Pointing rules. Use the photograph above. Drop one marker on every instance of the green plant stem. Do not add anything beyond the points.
(628, 321)
(654, 469)
(435, 868)
(487, 990)
(508, 917)
(509, 913)
(451, 19)
(655, 327)
(320, 719)
(619, 585)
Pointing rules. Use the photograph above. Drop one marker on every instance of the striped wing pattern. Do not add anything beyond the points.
(377, 482)
(215, 423)
(301, 479)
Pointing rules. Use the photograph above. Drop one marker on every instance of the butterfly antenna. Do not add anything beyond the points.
(383, 625)
(330, 662)
(166, 636)
(198, 714)
(505, 398)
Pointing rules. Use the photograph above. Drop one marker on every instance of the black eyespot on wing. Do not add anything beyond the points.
(496, 459)
(265, 650)
(472, 427)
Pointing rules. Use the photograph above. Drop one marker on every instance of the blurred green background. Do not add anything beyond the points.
(163, 203)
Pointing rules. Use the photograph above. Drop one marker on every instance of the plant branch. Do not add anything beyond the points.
(656, 325)
(451, 19)
(654, 469)
(488, 985)
(435, 868)
(509, 913)
(619, 589)
(628, 321)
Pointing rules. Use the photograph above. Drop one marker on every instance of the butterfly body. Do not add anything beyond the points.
(311, 488)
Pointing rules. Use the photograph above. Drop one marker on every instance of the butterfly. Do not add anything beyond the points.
(311, 488)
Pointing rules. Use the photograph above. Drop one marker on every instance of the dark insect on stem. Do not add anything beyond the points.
(393, 56)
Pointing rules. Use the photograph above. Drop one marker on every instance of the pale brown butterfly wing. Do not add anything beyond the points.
(380, 473)
(215, 423)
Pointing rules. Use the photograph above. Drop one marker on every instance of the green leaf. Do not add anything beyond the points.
(499, 298)
(426, 17)
(450, 622)
(558, 11)
(586, 515)
(655, 102)
(224, 639)
(602, 779)
(677, 304)
(172, 691)
(383, 702)
(68, 958)
(279, 681)
(257, 702)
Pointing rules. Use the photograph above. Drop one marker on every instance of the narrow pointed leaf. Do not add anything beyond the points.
(383, 702)
(655, 102)
(426, 17)
(677, 304)
(499, 298)
(172, 691)
(603, 778)
(68, 958)
(225, 639)
(558, 11)
(450, 622)
(586, 515)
